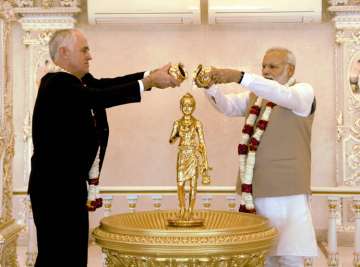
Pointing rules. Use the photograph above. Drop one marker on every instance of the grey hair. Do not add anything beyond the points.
(62, 38)
(290, 57)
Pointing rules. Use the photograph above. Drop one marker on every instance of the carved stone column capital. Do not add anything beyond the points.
(333, 203)
(47, 19)
(7, 10)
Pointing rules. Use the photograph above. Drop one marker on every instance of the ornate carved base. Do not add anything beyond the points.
(117, 259)
(10, 232)
(143, 239)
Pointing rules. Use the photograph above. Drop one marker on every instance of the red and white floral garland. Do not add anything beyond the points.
(94, 200)
(250, 140)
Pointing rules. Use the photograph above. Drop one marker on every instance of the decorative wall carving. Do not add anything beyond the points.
(347, 65)
(7, 10)
(25, 3)
(68, 3)
(338, 2)
(47, 3)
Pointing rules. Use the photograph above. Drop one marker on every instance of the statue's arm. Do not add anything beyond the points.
(202, 147)
(174, 133)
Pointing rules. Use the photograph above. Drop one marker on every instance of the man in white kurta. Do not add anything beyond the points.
(288, 210)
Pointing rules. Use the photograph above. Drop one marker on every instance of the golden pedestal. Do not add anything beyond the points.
(144, 239)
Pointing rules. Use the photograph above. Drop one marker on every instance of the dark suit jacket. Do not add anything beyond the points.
(64, 134)
(69, 125)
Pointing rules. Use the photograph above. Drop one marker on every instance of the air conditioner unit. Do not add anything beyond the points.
(277, 11)
(143, 11)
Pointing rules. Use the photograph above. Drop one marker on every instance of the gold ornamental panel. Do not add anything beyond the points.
(145, 239)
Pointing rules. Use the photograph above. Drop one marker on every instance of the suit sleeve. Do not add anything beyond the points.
(106, 82)
(109, 92)
(69, 90)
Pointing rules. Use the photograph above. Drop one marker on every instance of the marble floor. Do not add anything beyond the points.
(95, 257)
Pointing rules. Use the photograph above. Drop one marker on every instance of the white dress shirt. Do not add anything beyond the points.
(141, 84)
(297, 97)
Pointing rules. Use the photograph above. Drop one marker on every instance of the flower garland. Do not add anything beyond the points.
(250, 140)
(247, 148)
(94, 200)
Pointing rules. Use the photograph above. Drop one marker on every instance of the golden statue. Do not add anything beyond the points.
(191, 160)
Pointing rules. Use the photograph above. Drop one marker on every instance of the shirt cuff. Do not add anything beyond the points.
(212, 90)
(146, 73)
(247, 79)
(141, 85)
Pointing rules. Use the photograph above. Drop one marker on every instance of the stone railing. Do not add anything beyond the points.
(226, 194)
(335, 197)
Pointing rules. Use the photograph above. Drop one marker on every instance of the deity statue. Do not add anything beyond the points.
(191, 159)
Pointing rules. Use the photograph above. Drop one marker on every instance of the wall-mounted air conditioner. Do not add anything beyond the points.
(297, 11)
(144, 11)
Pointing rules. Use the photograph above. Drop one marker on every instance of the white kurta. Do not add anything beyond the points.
(289, 214)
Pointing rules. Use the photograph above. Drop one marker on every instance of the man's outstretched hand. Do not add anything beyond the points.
(160, 78)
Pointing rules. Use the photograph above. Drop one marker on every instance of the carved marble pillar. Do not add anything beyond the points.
(333, 256)
(356, 206)
(9, 230)
(132, 201)
(107, 204)
(157, 199)
(31, 251)
(347, 66)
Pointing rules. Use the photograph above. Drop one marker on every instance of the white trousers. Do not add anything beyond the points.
(284, 261)
(292, 218)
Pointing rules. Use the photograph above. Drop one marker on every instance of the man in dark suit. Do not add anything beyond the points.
(70, 133)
